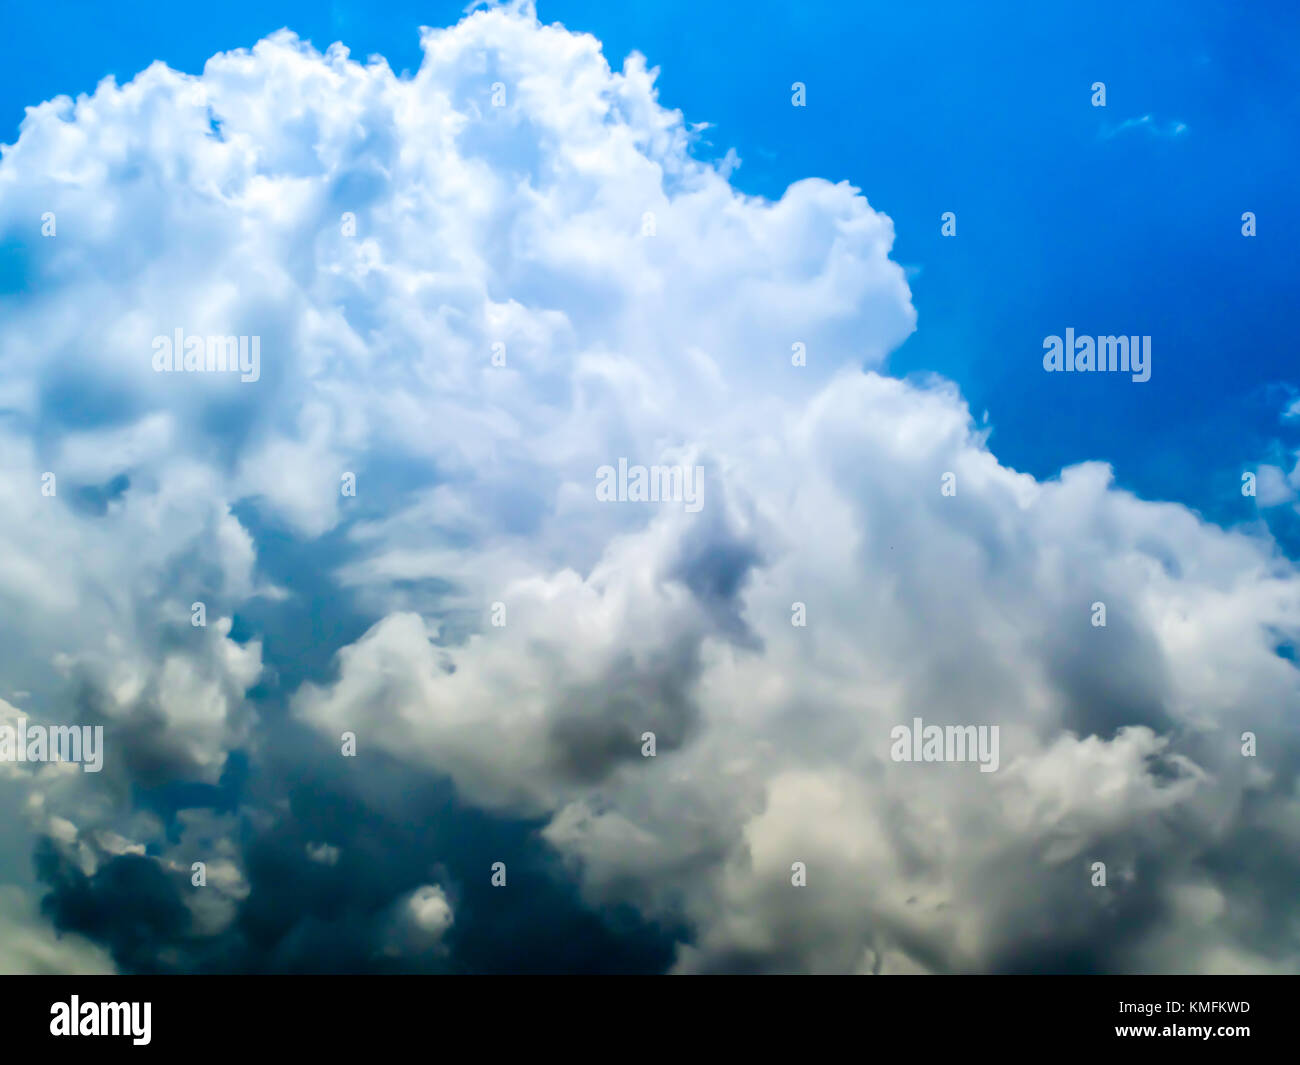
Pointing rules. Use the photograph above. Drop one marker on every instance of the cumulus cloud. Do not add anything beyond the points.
(1273, 486)
(474, 287)
(419, 921)
(28, 946)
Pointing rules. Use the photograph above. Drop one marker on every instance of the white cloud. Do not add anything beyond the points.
(1272, 486)
(30, 948)
(418, 923)
(529, 226)
(1172, 128)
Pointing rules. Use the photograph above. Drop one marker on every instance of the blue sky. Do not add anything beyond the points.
(361, 516)
(1066, 216)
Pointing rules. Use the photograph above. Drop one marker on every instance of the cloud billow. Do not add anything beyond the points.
(473, 288)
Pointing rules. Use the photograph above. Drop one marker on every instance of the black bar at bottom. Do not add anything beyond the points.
(581, 1016)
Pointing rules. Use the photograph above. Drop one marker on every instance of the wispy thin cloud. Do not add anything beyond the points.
(1172, 128)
